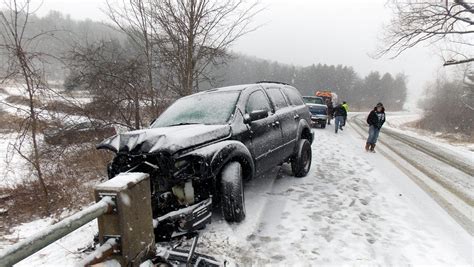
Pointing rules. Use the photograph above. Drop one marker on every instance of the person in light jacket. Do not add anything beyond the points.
(346, 107)
(375, 120)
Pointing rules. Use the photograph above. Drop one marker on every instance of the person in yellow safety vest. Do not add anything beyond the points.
(346, 107)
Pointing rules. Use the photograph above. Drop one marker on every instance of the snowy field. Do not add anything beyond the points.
(13, 168)
(354, 208)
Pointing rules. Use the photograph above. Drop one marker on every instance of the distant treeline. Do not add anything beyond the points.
(361, 92)
(61, 35)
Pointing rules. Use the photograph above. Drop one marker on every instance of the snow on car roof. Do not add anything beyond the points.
(223, 89)
(239, 87)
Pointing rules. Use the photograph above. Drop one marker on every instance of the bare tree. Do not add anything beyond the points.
(443, 108)
(424, 21)
(192, 35)
(115, 75)
(131, 17)
(467, 97)
(26, 67)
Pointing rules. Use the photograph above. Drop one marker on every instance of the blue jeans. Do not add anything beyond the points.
(373, 134)
(338, 122)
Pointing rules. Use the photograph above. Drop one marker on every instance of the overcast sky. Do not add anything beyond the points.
(303, 32)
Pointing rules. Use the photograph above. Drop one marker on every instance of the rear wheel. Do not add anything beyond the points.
(232, 192)
(323, 125)
(301, 162)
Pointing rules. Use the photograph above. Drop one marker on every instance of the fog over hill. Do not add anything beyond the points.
(306, 32)
(360, 91)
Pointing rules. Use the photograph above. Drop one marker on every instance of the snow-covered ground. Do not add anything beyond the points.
(398, 121)
(13, 168)
(354, 208)
(12, 165)
(64, 252)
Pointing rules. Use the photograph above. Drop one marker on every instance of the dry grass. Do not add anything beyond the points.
(56, 106)
(13, 123)
(21, 100)
(70, 179)
(70, 172)
(9, 122)
(60, 106)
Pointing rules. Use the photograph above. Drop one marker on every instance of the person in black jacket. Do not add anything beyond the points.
(330, 110)
(339, 114)
(375, 120)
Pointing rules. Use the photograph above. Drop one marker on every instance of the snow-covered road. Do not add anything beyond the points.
(353, 208)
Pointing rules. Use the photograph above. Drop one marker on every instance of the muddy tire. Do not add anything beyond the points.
(301, 161)
(232, 192)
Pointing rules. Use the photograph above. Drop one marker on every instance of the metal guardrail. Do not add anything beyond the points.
(116, 215)
(38, 241)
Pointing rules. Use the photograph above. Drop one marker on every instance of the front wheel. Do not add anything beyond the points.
(232, 190)
(301, 162)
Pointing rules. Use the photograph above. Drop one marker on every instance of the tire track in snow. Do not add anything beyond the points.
(343, 212)
(443, 187)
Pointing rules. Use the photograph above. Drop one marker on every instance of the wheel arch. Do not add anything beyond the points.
(233, 151)
(219, 154)
(304, 131)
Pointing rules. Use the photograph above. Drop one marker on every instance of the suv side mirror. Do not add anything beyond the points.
(255, 115)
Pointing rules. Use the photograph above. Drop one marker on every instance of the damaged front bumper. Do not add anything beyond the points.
(184, 221)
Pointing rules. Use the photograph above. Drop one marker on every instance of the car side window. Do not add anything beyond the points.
(294, 96)
(277, 98)
(257, 101)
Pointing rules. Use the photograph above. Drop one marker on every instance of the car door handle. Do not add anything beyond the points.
(296, 116)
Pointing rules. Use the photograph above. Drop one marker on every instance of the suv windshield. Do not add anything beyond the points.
(313, 100)
(207, 108)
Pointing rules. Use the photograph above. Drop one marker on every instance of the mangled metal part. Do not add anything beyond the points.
(184, 224)
(186, 257)
(183, 221)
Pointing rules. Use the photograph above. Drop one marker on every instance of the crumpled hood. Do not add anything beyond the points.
(165, 139)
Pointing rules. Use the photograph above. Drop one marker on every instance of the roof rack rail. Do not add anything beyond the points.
(272, 82)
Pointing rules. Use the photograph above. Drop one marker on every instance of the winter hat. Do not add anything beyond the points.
(379, 105)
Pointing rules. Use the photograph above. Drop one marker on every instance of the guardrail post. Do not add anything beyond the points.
(131, 223)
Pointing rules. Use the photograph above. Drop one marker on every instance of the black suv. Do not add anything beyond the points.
(207, 143)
